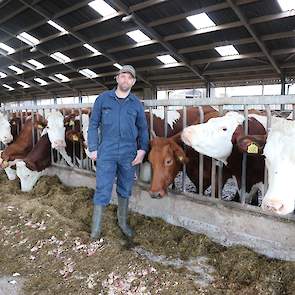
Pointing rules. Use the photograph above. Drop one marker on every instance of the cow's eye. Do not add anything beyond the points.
(224, 129)
(168, 162)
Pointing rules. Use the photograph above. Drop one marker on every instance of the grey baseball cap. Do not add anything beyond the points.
(128, 69)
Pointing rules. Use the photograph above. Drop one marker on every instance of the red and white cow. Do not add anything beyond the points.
(220, 138)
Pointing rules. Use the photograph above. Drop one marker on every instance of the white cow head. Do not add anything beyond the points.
(214, 138)
(28, 178)
(279, 154)
(85, 125)
(56, 130)
(5, 130)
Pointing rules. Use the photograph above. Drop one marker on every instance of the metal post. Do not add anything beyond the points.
(201, 157)
(244, 161)
(283, 90)
(184, 121)
(208, 89)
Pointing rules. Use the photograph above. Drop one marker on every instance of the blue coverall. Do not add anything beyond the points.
(123, 131)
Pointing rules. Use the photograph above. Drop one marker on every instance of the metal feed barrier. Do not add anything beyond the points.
(279, 103)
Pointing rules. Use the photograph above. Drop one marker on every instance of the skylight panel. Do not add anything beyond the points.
(36, 63)
(40, 81)
(27, 38)
(8, 49)
(138, 36)
(62, 78)
(227, 50)
(25, 85)
(60, 57)
(58, 27)
(167, 59)
(16, 69)
(287, 4)
(88, 73)
(8, 87)
(2, 75)
(117, 66)
(201, 21)
(102, 7)
(92, 49)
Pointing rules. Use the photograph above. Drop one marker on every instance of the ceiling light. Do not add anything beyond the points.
(25, 85)
(118, 66)
(201, 21)
(62, 77)
(92, 49)
(287, 4)
(167, 59)
(27, 38)
(7, 48)
(8, 87)
(102, 7)
(60, 57)
(138, 36)
(88, 73)
(36, 63)
(58, 27)
(16, 69)
(40, 81)
(227, 50)
(2, 75)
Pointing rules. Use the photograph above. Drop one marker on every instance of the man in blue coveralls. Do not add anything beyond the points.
(123, 143)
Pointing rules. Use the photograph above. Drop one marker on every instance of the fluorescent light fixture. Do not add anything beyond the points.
(88, 73)
(92, 49)
(138, 36)
(8, 87)
(36, 63)
(16, 69)
(7, 48)
(167, 59)
(27, 38)
(2, 75)
(25, 85)
(60, 57)
(40, 81)
(102, 7)
(62, 78)
(227, 50)
(58, 27)
(118, 66)
(287, 4)
(201, 21)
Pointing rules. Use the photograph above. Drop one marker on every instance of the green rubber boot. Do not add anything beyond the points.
(122, 214)
(96, 222)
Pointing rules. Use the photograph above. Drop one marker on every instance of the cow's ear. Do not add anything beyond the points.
(179, 152)
(252, 144)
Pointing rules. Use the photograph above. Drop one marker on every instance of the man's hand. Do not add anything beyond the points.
(93, 155)
(139, 157)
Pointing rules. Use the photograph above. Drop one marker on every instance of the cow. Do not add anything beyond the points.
(222, 138)
(24, 142)
(278, 150)
(5, 130)
(33, 166)
(167, 155)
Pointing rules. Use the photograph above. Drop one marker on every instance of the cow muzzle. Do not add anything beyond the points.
(157, 195)
(275, 206)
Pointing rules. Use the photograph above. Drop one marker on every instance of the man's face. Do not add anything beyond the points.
(125, 81)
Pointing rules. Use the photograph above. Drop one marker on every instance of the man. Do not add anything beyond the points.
(123, 143)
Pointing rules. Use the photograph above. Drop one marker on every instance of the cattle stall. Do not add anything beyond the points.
(82, 166)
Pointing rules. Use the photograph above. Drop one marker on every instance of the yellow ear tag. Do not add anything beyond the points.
(252, 148)
(180, 158)
(75, 138)
(40, 126)
(72, 123)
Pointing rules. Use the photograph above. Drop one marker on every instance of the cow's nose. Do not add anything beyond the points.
(186, 136)
(155, 195)
(272, 205)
